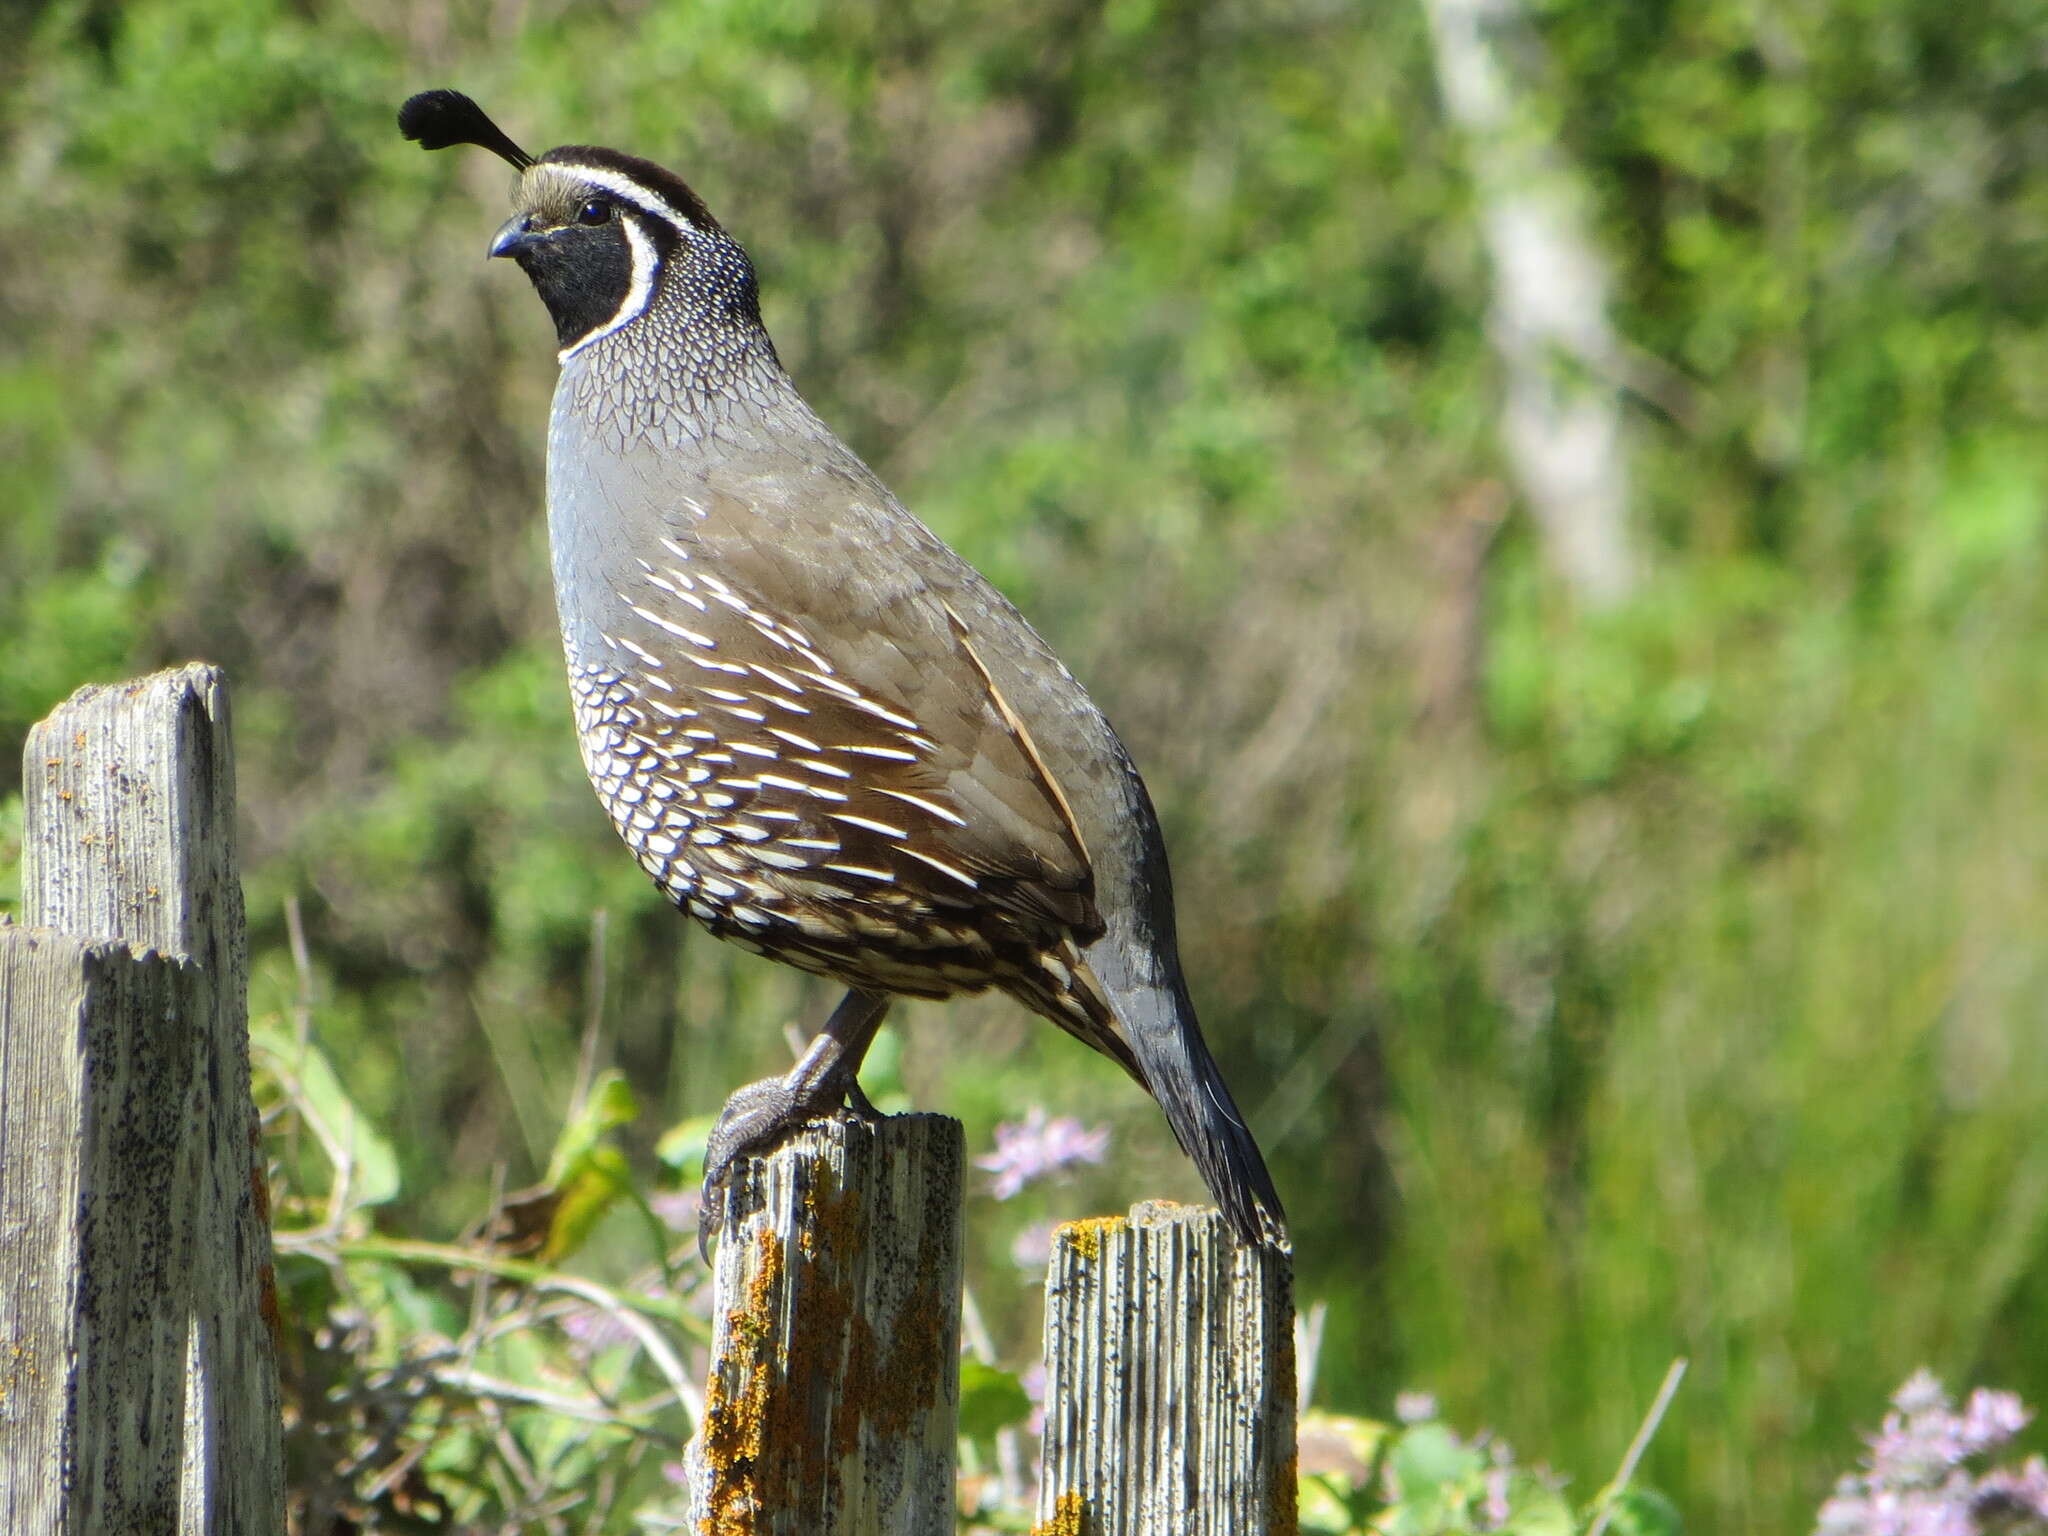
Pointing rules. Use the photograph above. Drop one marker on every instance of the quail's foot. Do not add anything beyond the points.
(755, 1118)
(762, 1114)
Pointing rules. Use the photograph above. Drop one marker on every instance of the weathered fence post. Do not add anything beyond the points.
(835, 1371)
(1169, 1380)
(138, 1386)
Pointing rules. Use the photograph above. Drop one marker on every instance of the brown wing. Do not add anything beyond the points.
(876, 761)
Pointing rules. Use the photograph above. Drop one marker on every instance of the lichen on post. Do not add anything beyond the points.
(835, 1377)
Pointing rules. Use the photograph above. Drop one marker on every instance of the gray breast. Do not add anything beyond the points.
(783, 725)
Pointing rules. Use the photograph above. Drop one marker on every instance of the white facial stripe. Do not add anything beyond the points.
(646, 260)
(623, 187)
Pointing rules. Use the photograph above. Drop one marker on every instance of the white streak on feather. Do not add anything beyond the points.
(871, 825)
(887, 754)
(678, 630)
(863, 871)
(945, 869)
(828, 769)
(923, 804)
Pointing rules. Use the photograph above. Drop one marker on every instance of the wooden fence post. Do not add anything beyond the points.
(138, 1383)
(835, 1370)
(1169, 1380)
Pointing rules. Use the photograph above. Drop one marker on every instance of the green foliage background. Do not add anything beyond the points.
(1603, 989)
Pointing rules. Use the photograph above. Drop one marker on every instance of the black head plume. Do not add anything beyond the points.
(437, 119)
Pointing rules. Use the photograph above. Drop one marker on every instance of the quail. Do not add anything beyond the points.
(825, 736)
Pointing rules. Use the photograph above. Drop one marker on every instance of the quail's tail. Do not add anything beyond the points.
(1157, 1021)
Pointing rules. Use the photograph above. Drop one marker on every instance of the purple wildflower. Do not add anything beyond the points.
(1991, 1419)
(1414, 1407)
(1498, 1510)
(1038, 1146)
(1921, 1393)
(1913, 1481)
(1028, 1249)
(593, 1329)
(1034, 1390)
(677, 1208)
(2015, 1494)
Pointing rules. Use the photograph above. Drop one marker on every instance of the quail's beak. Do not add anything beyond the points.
(515, 235)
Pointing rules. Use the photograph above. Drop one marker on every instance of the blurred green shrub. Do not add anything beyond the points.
(1603, 991)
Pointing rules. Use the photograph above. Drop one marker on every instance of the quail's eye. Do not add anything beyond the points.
(597, 211)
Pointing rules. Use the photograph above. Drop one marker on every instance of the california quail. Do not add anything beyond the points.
(822, 732)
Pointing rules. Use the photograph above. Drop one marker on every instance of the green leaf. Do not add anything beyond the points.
(10, 852)
(682, 1146)
(1429, 1457)
(601, 1177)
(1325, 1505)
(1340, 1495)
(610, 1104)
(1538, 1509)
(587, 1172)
(990, 1399)
(351, 1143)
(1643, 1512)
(403, 1311)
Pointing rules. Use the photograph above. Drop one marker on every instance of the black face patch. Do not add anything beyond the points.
(583, 273)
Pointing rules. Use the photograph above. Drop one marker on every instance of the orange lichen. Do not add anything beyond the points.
(886, 1380)
(735, 1419)
(905, 1376)
(805, 1375)
(1086, 1236)
(1069, 1517)
(1283, 1503)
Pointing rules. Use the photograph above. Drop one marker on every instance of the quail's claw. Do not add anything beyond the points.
(859, 1104)
(709, 1220)
(754, 1120)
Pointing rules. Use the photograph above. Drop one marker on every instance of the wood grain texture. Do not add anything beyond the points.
(1169, 1391)
(835, 1359)
(129, 827)
(140, 1383)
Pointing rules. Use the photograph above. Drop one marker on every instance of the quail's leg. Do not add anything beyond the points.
(761, 1114)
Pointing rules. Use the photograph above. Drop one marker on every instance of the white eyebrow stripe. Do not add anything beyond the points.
(646, 262)
(625, 187)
